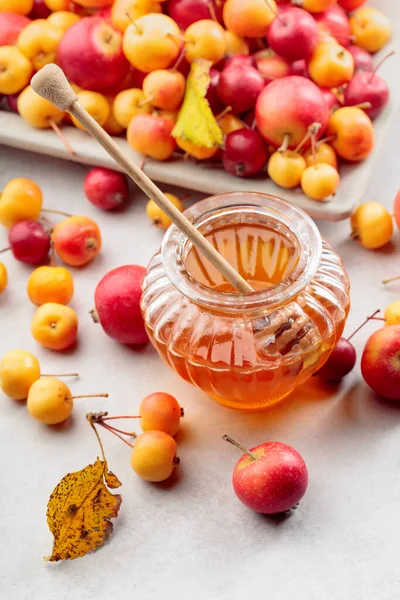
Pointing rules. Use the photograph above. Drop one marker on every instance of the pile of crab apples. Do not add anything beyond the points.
(292, 84)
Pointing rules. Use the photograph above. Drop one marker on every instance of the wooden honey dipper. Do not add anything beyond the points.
(50, 83)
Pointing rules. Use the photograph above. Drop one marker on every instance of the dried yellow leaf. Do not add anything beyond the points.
(195, 122)
(80, 509)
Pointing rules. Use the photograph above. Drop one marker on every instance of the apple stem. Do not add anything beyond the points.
(363, 105)
(222, 114)
(89, 418)
(86, 396)
(385, 281)
(380, 63)
(121, 417)
(312, 130)
(179, 59)
(62, 137)
(326, 139)
(274, 12)
(285, 143)
(95, 315)
(228, 438)
(5, 250)
(59, 375)
(212, 11)
(56, 212)
(108, 428)
(130, 433)
(146, 101)
(364, 323)
(139, 30)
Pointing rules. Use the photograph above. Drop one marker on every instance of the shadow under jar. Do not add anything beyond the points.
(247, 351)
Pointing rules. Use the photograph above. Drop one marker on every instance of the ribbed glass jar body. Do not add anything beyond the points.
(247, 351)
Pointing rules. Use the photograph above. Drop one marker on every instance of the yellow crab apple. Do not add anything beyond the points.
(128, 104)
(37, 111)
(96, 105)
(15, 70)
(123, 12)
(21, 7)
(63, 19)
(39, 42)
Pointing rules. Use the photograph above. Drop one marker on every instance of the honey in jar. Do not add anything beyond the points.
(247, 351)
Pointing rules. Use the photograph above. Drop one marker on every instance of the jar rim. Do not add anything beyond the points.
(283, 212)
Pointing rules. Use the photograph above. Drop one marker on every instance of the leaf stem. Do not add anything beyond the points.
(92, 425)
(228, 438)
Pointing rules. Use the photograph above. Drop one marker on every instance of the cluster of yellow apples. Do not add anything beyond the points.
(276, 70)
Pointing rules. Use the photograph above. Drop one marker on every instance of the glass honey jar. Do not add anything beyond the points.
(247, 351)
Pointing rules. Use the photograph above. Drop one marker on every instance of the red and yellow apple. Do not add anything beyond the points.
(380, 362)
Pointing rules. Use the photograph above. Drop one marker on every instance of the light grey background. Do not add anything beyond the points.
(192, 538)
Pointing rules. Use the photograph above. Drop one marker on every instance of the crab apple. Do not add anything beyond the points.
(270, 478)
(151, 135)
(95, 104)
(105, 188)
(40, 10)
(380, 362)
(21, 7)
(129, 103)
(336, 22)
(299, 67)
(249, 18)
(324, 153)
(205, 39)
(157, 216)
(117, 303)
(331, 65)
(56, 5)
(198, 152)
(12, 101)
(235, 44)
(320, 181)
(152, 42)
(287, 107)
(11, 25)
(354, 133)
(164, 88)
(294, 35)
(367, 87)
(37, 111)
(212, 92)
(370, 28)
(153, 456)
(123, 12)
(77, 240)
(392, 313)
(317, 6)
(15, 70)
(372, 225)
(286, 168)
(350, 5)
(90, 54)
(49, 401)
(239, 87)
(362, 58)
(20, 200)
(229, 123)
(3, 279)
(63, 19)
(50, 284)
(272, 66)
(186, 12)
(111, 125)
(245, 153)
(39, 42)
(55, 326)
(19, 369)
(161, 412)
(340, 363)
(29, 242)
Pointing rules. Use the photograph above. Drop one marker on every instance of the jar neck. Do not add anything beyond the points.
(245, 209)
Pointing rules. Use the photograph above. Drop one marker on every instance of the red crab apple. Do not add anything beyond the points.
(335, 21)
(105, 188)
(11, 25)
(212, 92)
(362, 58)
(287, 107)
(269, 478)
(40, 10)
(186, 12)
(272, 66)
(117, 302)
(340, 362)
(239, 60)
(294, 34)
(90, 54)
(368, 87)
(239, 87)
(380, 362)
(245, 153)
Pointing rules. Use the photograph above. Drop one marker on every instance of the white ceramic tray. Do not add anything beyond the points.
(212, 179)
